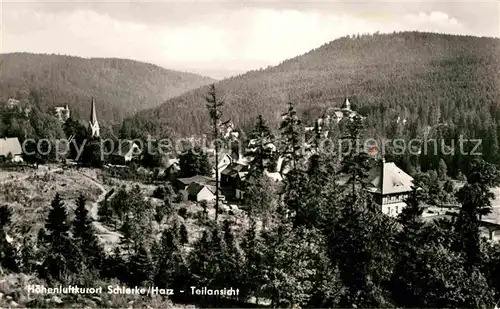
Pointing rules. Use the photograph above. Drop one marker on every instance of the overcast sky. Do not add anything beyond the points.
(226, 37)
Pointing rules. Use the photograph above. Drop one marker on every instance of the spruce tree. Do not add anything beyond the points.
(291, 130)
(140, 267)
(288, 266)
(83, 232)
(357, 162)
(411, 215)
(170, 267)
(260, 197)
(217, 264)
(260, 150)
(5, 216)
(442, 170)
(183, 235)
(194, 162)
(295, 197)
(429, 274)
(475, 198)
(360, 244)
(105, 212)
(61, 250)
(214, 105)
(57, 222)
(127, 240)
(28, 256)
(252, 277)
(8, 254)
(231, 272)
(199, 261)
(92, 154)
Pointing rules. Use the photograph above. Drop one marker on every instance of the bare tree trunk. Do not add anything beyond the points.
(216, 133)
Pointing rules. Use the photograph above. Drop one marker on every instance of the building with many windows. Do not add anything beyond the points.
(391, 186)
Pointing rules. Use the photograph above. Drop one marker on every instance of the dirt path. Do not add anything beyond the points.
(106, 236)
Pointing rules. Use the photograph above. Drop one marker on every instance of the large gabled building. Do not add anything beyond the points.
(390, 186)
(337, 114)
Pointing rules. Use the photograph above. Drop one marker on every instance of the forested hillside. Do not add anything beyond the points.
(121, 87)
(423, 77)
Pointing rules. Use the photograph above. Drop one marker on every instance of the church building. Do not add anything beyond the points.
(94, 130)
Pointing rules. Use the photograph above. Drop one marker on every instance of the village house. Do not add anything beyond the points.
(201, 192)
(10, 149)
(126, 152)
(183, 183)
(227, 129)
(336, 114)
(12, 103)
(224, 162)
(62, 113)
(233, 180)
(391, 186)
(172, 169)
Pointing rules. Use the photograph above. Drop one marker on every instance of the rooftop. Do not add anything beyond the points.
(388, 178)
(234, 169)
(194, 188)
(124, 148)
(200, 179)
(10, 145)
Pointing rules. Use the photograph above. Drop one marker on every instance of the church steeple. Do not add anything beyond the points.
(347, 104)
(93, 123)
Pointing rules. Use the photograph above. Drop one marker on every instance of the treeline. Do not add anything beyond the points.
(423, 78)
(121, 87)
(41, 130)
(312, 242)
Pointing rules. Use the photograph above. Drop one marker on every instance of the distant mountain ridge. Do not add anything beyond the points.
(121, 87)
(402, 72)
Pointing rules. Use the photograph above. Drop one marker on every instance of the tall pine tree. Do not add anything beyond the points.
(259, 150)
(86, 240)
(214, 105)
(61, 251)
(291, 138)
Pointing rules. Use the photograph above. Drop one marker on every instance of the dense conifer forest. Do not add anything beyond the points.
(406, 85)
(425, 78)
(311, 240)
(120, 86)
(308, 242)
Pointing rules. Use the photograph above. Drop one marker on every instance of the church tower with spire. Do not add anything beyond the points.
(347, 104)
(93, 123)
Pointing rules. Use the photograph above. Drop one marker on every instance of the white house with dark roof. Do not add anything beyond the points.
(224, 162)
(183, 183)
(201, 192)
(391, 186)
(11, 147)
(126, 151)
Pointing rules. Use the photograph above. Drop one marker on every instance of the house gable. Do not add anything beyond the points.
(10, 145)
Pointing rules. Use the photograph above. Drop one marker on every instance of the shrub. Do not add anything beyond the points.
(183, 212)
(159, 192)
(182, 196)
